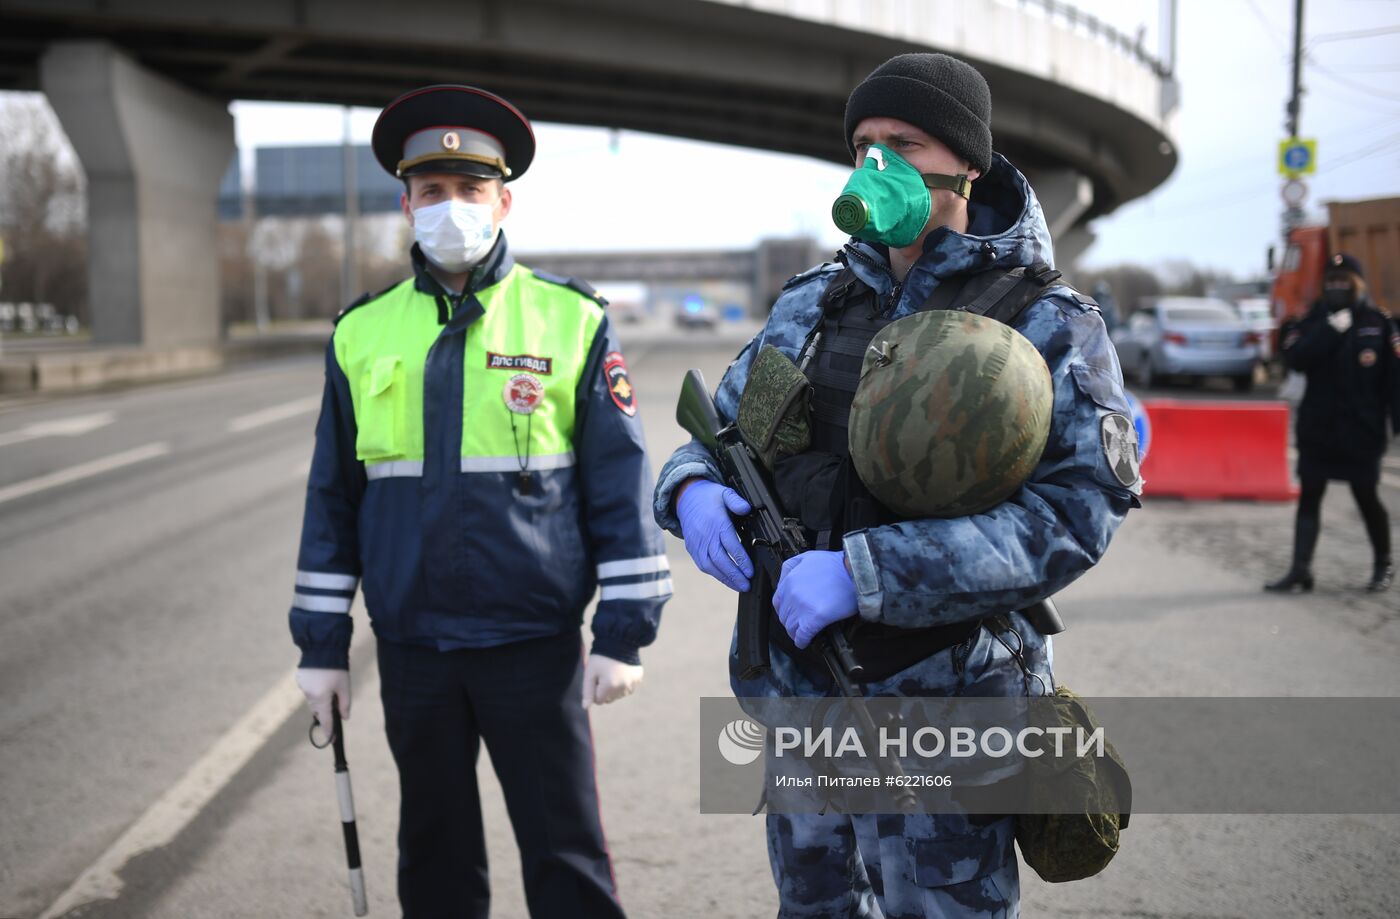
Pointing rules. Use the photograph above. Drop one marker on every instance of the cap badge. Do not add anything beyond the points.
(451, 140)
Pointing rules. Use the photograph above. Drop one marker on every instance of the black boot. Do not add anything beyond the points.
(1381, 576)
(1378, 531)
(1299, 577)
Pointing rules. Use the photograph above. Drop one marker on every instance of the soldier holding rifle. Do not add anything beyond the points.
(928, 559)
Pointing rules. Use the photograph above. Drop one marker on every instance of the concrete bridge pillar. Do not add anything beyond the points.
(1069, 246)
(153, 153)
(1064, 196)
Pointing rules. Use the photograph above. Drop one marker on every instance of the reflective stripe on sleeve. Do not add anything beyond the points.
(512, 463)
(411, 469)
(649, 565)
(323, 581)
(643, 591)
(317, 604)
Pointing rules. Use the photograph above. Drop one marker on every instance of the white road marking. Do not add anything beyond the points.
(82, 471)
(274, 414)
(183, 801)
(59, 427)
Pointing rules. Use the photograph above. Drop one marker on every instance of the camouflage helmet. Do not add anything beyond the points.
(951, 415)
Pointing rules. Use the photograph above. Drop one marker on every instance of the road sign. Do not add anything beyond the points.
(1297, 156)
(1295, 192)
(1292, 217)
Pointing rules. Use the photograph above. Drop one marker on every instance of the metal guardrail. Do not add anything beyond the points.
(1080, 21)
(1056, 11)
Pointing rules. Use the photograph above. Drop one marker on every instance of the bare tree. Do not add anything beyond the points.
(42, 209)
(1129, 285)
(300, 259)
(235, 272)
(319, 268)
(1188, 280)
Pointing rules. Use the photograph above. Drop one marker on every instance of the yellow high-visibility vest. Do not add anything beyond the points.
(527, 350)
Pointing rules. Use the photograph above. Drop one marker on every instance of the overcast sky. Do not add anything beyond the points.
(1220, 208)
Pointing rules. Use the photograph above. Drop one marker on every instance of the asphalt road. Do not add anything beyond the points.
(152, 747)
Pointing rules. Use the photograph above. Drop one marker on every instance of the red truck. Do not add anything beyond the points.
(1367, 230)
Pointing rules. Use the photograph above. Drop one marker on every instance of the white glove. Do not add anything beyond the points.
(606, 680)
(1340, 320)
(319, 685)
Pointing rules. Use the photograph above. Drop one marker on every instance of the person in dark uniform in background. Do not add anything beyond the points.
(1350, 351)
(480, 469)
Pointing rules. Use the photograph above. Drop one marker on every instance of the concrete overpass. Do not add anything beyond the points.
(762, 269)
(142, 89)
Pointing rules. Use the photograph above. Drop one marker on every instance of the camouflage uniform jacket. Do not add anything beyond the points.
(928, 572)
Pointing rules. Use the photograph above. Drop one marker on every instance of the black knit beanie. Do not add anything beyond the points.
(942, 95)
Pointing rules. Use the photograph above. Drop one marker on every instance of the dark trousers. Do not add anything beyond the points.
(523, 700)
(1309, 519)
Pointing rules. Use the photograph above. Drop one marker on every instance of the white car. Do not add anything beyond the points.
(1258, 318)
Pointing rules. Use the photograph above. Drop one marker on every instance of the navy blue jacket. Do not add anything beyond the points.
(452, 558)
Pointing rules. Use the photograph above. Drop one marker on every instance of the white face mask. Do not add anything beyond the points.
(453, 234)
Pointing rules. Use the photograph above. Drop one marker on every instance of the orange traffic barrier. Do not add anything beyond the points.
(1208, 451)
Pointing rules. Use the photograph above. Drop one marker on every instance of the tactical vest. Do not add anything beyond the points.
(820, 486)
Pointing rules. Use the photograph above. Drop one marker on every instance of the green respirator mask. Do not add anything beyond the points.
(887, 200)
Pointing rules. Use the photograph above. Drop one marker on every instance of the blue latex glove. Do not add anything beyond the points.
(710, 538)
(814, 590)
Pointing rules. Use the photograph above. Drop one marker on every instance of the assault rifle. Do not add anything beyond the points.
(772, 539)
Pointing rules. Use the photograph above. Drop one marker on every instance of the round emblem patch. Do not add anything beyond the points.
(451, 140)
(1120, 447)
(523, 393)
(1367, 357)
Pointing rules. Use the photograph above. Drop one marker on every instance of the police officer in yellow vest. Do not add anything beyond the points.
(480, 470)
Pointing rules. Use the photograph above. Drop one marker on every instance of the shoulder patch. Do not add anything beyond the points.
(619, 386)
(1120, 447)
(810, 273)
(1065, 292)
(363, 299)
(1066, 302)
(574, 284)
